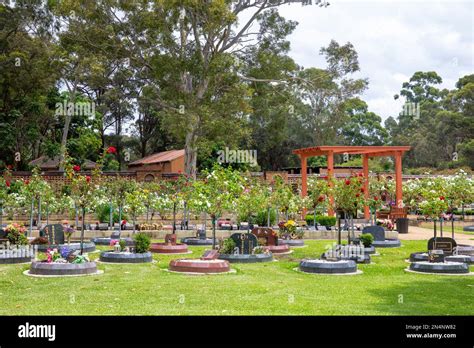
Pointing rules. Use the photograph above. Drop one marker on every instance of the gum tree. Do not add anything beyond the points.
(218, 192)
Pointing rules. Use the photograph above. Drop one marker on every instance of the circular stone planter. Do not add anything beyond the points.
(370, 250)
(292, 242)
(198, 266)
(87, 247)
(278, 249)
(387, 243)
(357, 259)
(465, 249)
(106, 241)
(439, 267)
(197, 241)
(419, 256)
(62, 269)
(113, 257)
(163, 248)
(328, 267)
(460, 258)
(246, 258)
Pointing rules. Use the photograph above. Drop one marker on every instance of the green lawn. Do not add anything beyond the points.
(256, 289)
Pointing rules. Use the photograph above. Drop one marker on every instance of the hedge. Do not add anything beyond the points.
(321, 220)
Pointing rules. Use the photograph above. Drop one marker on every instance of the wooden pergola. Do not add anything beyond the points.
(366, 152)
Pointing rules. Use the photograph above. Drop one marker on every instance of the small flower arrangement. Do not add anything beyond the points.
(289, 230)
(65, 255)
(16, 234)
(387, 224)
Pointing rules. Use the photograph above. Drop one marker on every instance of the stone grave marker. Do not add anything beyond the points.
(245, 242)
(115, 235)
(376, 231)
(436, 255)
(446, 244)
(201, 234)
(170, 239)
(265, 236)
(54, 233)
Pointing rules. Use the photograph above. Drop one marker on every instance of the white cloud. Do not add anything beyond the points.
(394, 39)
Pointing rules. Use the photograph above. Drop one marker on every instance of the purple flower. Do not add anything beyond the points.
(65, 252)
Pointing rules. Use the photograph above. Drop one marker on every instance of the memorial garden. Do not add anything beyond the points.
(236, 157)
(258, 253)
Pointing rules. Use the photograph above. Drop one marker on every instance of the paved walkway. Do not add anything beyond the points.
(419, 233)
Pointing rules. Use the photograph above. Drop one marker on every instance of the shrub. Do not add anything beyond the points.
(103, 214)
(40, 240)
(227, 246)
(142, 242)
(122, 244)
(261, 218)
(366, 239)
(323, 220)
(258, 250)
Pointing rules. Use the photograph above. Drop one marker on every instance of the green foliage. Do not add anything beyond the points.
(103, 214)
(367, 239)
(227, 246)
(142, 242)
(261, 218)
(322, 220)
(122, 244)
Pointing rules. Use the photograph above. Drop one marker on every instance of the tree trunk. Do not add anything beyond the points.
(39, 213)
(190, 154)
(31, 215)
(111, 216)
(82, 229)
(174, 218)
(213, 232)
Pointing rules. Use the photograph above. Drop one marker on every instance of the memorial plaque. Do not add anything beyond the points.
(115, 235)
(170, 239)
(376, 231)
(201, 234)
(446, 244)
(436, 256)
(265, 236)
(210, 255)
(54, 233)
(245, 242)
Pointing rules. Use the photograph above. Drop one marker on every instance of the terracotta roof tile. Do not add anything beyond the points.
(159, 157)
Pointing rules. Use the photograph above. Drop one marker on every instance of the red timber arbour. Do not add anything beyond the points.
(366, 152)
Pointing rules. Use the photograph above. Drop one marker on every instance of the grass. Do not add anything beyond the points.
(255, 289)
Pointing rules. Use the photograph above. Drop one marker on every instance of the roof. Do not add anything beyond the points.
(45, 162)
(165, 156)
(354, 150)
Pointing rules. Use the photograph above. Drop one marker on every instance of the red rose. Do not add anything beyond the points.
(27, 182)
(7, 183)
(348, 182)
(376, 198)
(179, 171)
(76, 168)
(324, 177)
(357, 195)
(441, 198)
(362, 190)
(9, 167)
(320, 198)
(360, 174)
(88, 178)
(112, 149)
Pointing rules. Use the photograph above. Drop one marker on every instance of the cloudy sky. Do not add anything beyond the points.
(394, 39)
